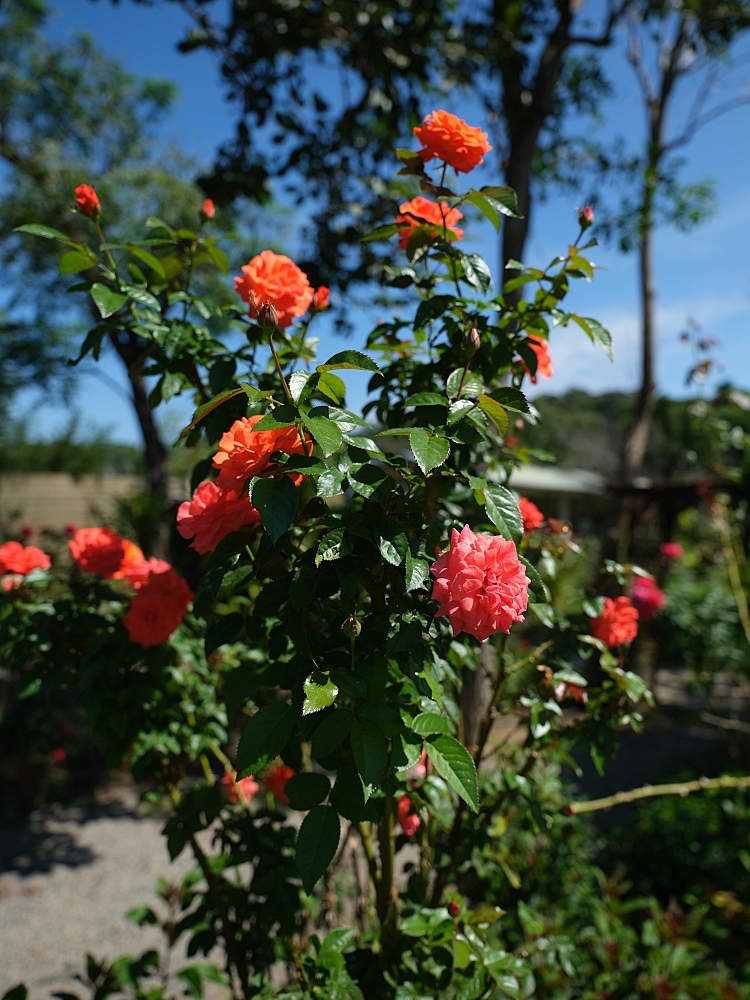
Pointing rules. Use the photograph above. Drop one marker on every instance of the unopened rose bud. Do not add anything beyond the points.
(472, 340)
(351, 627)
(453, 908)
(87, 200)
(209, 209)
(586, 217)
(267, 315)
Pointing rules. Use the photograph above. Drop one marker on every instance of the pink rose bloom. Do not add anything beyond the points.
(138, 573)
(647, 597)
(671, 550)
(530, 514)
(248, 786)
(480, 584)
(407, 820)
(212, 514)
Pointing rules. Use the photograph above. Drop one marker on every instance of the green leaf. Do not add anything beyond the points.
(511, 399)
(107, 301)
(332, 386)
(430, 450)
(16, 992)
(254, 394)
(497, 413)
(502, 510)
(276, 501)
(417, 572)
(407, 749)
(74, 261)
(349, 359)
(593, 607)
(320, 692)
(141, 295)
(596, 333)
(369, 749)
(476, 271)
(426, 399)
(326, 433)
(33, 229)
(264, 737)
(393, 551)
(484, 206)
(430, 309)
(306, 790)
(331, 546)
(472, 384)
(206, 408)
(274, 420)
(538, 586)
(347, 796)
(297, 382)
(223, 630)
(545, 613)
(317, 841)
(330, 483)
(148, 258)
(219, 258)
(380, 233)
(503, 200)
(429, 723)
(453, 763)
(331, 732)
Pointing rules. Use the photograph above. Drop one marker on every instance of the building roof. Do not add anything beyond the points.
(549, 479)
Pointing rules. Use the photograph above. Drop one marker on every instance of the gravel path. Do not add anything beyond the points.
(66, 881)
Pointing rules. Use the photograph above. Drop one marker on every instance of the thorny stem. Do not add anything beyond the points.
(649, 791)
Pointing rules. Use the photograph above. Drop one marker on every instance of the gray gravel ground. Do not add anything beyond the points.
(66, 881)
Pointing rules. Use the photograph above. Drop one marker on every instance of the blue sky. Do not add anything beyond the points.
(703, 275)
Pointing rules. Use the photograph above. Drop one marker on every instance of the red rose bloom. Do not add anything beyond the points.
(208, 209)
(212, 514)
(647, 597)
(451, 140)
(480, 584)
(530, 513)
(429, 213)
(671, 550)
(21, 559)
(97, 550)
(320, 298)
(137, 574)
(276, 779)
(273, 279)
(617, 624)
(407, 820)
(157, 609)
(244, 452)
(248, 786)
(87, 200)
(543, 360)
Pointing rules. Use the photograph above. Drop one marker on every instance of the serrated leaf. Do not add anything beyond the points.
(497, 413)
(472, 384)
(332, 546)
(254, 394)
(330, 483)
(107, 301)
(276, 501)
(297, 382)
(380, 233)
(537, 584)
(545, 613)
(596, 333)
(264, 737)
(34, 229)
(430, 724)
(207, 408)
(320, 692)
(393, 551)
(417, 573)
(326, 433)
(430, 450)
(332, 386)
(502, 510)
(431, 309)
(369, 749)
(503, 199)
(454, 764)
(148, 258)
(219, 258)
(479, 201)
(306, 790)
(331, 733)
(349, 359)
(426, 399)
(511, 399)
(477, 271)
(317, 841)
(276, 419)
(73, 261)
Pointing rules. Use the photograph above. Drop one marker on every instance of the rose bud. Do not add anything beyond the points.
(267, 315)
(208, 209)
(586, 217)
(320, 298)
(351, 627)
(453, 908)
(472, 340)
(87, 200)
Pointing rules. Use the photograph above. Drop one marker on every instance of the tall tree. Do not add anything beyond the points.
(325, 91)
(673, 48)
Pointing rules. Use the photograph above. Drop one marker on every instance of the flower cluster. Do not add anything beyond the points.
(480, 584)
(440, 218)
(22, 559)
(271, 279)
(212, 514)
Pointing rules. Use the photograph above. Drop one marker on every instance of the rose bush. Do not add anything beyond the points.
(304, 695)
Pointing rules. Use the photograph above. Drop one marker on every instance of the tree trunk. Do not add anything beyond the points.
(518, 176)
(640, 428)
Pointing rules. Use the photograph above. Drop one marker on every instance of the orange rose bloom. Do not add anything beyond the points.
(97, 550)
(212, 514)
(433, 215)
(273, 279)
(618, 622)
(244, 453)
(21, 559)
(275, 781)
(157, 609)
(544, 361)
(87, 200)
(531, 515)
(451, 140)
(208, 209)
